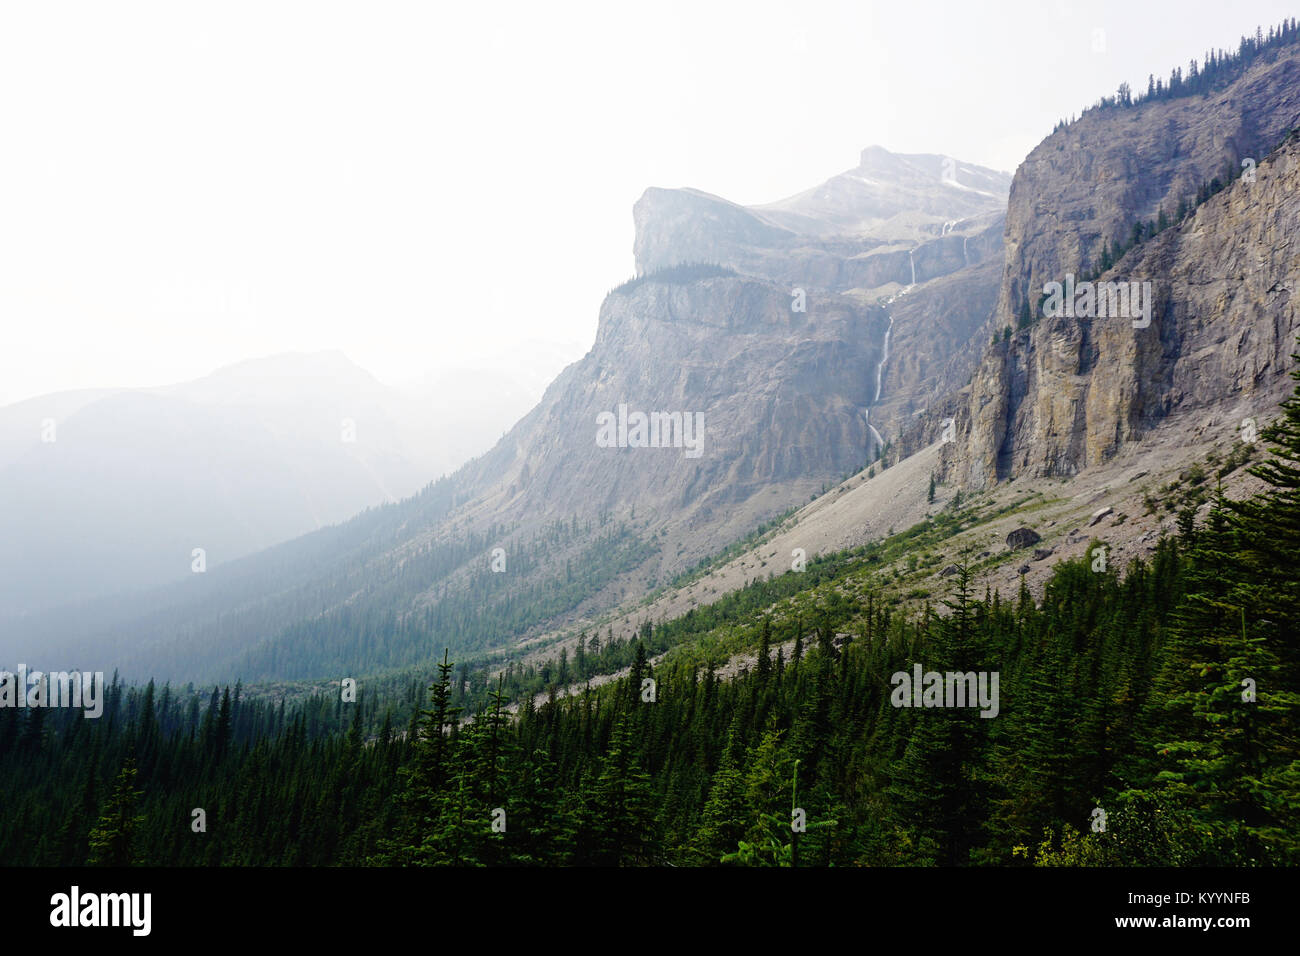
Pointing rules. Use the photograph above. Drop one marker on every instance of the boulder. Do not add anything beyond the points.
(1099, 514)
(1022, 538)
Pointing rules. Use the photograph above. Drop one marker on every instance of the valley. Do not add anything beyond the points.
(816, 443)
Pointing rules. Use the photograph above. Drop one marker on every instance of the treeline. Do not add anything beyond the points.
(679, 274)
(362, 596)
(1215, 71)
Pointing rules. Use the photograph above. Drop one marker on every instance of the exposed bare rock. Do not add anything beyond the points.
(1088, 182)
(1099, 514)
(1070, 392)
(781, 394)
(939, 332)
(1067, 393)
(1022, 538)
(865, 228)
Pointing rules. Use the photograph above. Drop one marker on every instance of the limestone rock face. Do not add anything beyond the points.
(896, 265)
(1088, 183)
(895, 219)
(1069, 392)
(1066, 393)
(780, 394)
(940, 330)
(921, 234)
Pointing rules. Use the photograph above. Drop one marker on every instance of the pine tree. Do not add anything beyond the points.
(723, 819)
(1232, 727)
(616, 825)
(427, 776)
(113, 839)
(935, 791)
(763, 666)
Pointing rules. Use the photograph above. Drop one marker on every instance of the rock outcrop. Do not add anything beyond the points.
(1070, 392)
(1063, 393)
(781, 395)
(1089, 182)
(894, 220)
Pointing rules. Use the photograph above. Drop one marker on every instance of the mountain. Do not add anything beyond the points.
(1083, 525)
(834, 334)
(1064, 393)
(891, 222)
(776, 353)
(254, 454)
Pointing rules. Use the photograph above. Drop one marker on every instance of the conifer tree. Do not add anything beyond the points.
(113, 839)
(616, 823)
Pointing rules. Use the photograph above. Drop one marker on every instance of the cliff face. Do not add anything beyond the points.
(894, 220)
(1069, 392)
(1065, 393)
(940, 330)
(780, 393)
(895, 264)
(1086, 184)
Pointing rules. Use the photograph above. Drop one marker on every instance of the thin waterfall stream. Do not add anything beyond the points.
(884, 354)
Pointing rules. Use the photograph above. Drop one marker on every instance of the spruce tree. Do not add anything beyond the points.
(113, 839)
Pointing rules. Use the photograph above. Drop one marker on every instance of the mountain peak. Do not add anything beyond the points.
(873, 154)
(322, 362)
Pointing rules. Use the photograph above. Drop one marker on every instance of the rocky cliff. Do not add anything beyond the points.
(1067, 393)
(919, 234)
(781, 395)
(891, 222)
(1084, 186)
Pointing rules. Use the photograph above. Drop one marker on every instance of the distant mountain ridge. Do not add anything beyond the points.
(113, 489)
(864, 230)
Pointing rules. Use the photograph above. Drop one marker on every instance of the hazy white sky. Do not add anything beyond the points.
(183, 186)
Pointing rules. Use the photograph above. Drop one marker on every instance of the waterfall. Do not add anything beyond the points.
(884, 353)
(880, 442)
(884, 357)
(880, 381)
(964, 261)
